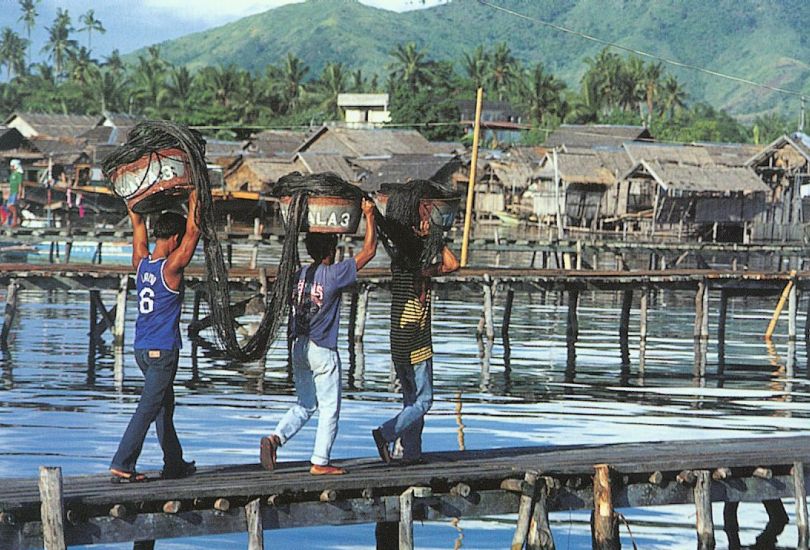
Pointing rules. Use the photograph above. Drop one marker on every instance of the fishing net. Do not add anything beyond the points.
(152, 136)
(405, 212)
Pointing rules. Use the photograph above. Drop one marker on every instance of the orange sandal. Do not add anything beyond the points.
(120, 476)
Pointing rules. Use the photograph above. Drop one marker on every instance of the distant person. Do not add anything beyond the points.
(412, 348)
(315, 319)
(160, 288)
(15, 179)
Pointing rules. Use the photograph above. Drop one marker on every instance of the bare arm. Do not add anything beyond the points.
(448, 264)
(180, 258)
(369, 249)
(140, 243)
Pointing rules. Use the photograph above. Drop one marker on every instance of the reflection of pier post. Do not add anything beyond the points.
(10, 312)
(793, 304)
(572, 334)
(642, 329)
(507, 320)
(721, 332)
(624, 327)
(701, 332)
(120, 311)
(118, 368)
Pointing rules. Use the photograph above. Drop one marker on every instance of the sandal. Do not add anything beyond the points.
(269, 451)
(120, 476)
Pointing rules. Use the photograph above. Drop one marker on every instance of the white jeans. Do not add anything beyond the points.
(316, 371)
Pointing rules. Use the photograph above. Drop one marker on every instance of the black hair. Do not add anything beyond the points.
(168, 225)
(320, 245)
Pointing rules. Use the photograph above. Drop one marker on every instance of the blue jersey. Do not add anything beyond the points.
(158, 323)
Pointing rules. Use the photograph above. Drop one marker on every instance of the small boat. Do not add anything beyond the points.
(508, 218)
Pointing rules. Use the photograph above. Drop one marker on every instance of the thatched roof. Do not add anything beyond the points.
(403, 168)
(276, 143)
(352, 142)
(799, 141)
(595, 135)
(315, 163)
(697, 179)
(52, 125)
(588, 166)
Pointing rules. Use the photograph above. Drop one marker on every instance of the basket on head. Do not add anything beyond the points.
(439, 211)
(153, 182)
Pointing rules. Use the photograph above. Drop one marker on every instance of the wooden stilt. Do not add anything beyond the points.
(572, 331)
(730, 525)
(362, 313)
(642, 329)
(120, 311)
(52, 509)
(700, 317)
(489, 319)
(10, 312)
(624, 326)
(406, 501)
(254, 256)
(703, 509)
(800, 495)
(793, 305)
(604, 523)
(253, 517)
(524, 511)
(721, 331)
(539, 530)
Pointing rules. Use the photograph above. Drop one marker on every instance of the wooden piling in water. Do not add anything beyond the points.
(793, 304)
(540, 537)
(703, 510)
(604, 523)
(362, 314)
(489, 318)
(52, 510)
(120, 311)
(800, 494)
(10, 312)
(253, 518)
(524, 511)
(624, 325)
(642, 329)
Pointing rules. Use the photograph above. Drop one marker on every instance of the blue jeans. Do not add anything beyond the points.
(156, 405)
(316, 372)
(417, 398)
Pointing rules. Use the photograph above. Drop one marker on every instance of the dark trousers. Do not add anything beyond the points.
(156, 405)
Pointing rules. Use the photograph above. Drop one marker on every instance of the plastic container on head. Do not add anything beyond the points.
(440, 212)
(154, 182)
(327, 214)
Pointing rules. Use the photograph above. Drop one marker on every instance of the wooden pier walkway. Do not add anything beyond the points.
(529, 481)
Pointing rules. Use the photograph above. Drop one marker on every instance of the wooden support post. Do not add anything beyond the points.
(52, 509)
(10, 312)
(489, 319)
(800, 494)
(721, 330)
(604, 523)
(507, 316)
(624, 326)
(703, 509)
(120, 311)
(642, 329)
(701, 329)
(362, 313)
(254, 256)
(793, 305)
(406, 501)
(253, 516)
(539, 530)
(524, 511)
(572, 331)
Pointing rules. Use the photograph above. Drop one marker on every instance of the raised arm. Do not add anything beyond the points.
(448, 264)
(140, 243)
(369, 249)
(180, 258)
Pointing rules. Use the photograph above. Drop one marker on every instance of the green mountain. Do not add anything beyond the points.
(761, 40)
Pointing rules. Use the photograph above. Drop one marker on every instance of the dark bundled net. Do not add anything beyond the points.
(152, 136)
(315, 185)
(402, 214)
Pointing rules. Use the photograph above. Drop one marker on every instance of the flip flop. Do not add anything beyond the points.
(120, 476)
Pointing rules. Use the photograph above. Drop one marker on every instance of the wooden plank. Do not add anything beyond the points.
(52, 509)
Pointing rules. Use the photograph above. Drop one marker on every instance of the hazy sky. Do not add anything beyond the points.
(132, 24)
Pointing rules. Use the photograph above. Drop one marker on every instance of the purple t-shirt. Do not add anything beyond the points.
(316, 307)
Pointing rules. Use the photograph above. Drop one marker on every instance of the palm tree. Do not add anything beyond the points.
(673, 96)
(331, 83)
(114, 61)
(148, 79)
(179, 87)
(108, 88)
(286, 83)
(503, 69)
(602, 80)
(59, 43)
(652, 84)
(223, 82)
(477, 66)
(81, 67)
(91, 24)
(541, 94)
(358, 84)
(631, 92)
(29, 19)
(410, 66)
(12, 52)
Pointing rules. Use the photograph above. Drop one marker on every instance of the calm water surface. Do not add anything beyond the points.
(54, 412)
